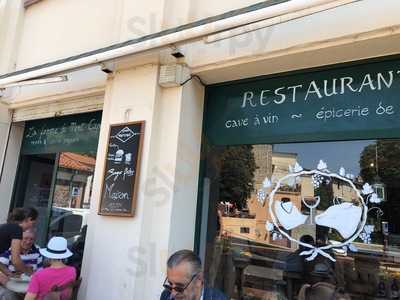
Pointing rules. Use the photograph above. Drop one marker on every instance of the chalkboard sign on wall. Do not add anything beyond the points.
(121, 173)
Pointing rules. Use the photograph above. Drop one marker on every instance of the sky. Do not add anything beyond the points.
(335, 154)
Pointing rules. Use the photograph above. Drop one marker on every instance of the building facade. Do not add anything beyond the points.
(197, 73)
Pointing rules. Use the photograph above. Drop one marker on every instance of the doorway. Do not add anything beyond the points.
(33, 188)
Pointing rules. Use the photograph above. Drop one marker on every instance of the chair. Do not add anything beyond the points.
(56, 291)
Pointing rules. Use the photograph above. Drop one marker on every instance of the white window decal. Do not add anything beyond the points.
(347, 216)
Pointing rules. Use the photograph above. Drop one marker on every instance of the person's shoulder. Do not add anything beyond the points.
(214, 294)
(5, 254)
(40, 273)
(5, 258)
(13, 229)
(4, 225)
(66, 269)
(165, 295)
(71, 270)
(10, 226)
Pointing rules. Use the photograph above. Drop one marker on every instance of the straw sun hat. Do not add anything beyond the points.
(56, 248)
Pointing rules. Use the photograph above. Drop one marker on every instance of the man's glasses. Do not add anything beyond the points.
(177, 288)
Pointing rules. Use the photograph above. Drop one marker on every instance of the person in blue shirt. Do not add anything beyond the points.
(185, 279)
(30, 255)
(20, 220)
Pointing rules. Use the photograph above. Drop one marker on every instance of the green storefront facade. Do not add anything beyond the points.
(323, 134)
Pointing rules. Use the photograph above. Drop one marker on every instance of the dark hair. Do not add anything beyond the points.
(20, 214)
(187, 256)
(31, 213)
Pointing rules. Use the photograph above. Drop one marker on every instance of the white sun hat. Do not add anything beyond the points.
(56, 248)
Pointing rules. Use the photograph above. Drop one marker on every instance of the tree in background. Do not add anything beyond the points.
(237, 167)
(388, 166)
(388, 162)
(325, 192)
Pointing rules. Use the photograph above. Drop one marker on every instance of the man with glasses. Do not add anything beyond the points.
(185, 280)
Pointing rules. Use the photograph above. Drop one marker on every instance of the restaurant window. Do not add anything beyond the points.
(309, 162)
(312, 208)
(55, 176)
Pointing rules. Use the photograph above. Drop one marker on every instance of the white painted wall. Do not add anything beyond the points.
(200, 9)
(138, 247)
(183, 214)
(11, 159)
(62, 28)
(47, 24)
(300, 36)
(112, 279)
(140, 18)
(170, 196)
(178, 12)
(54, 30)
(11, 16)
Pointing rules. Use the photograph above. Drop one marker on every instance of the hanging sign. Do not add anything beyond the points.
(357, 101)
(121, 174)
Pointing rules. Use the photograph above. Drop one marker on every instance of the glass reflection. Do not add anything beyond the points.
(33, 188)
(71, 201)
(263, 240)
(72, 193)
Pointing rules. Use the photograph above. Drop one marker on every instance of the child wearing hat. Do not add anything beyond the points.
(57, 274)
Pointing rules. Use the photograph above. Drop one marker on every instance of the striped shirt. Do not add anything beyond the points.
(32, 258)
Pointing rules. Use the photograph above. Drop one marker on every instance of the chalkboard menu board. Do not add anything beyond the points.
(121, 174)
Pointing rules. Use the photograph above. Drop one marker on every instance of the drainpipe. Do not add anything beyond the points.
(167, 39)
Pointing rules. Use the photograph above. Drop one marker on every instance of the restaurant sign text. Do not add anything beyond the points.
(358, 101)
